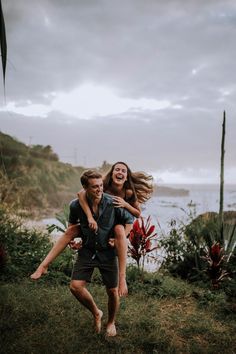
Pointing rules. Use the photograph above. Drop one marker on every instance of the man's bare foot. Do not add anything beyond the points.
(98, 321)
(41, 270)
(111, 330)
(122, 287)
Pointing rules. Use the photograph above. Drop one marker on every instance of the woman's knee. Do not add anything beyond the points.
(119, 231)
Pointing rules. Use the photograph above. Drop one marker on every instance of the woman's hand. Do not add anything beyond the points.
(111, 242)
(92, 224)
(119, 202)
(75, 245)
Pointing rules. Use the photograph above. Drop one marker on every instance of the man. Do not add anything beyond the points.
(95, 251)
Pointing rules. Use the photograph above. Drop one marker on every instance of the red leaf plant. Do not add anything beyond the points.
(215, 259)
(140, 239)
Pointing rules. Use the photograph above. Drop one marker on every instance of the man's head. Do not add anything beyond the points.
(92, 183)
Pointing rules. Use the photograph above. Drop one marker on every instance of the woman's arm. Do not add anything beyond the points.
(84, 204)
(133, 208)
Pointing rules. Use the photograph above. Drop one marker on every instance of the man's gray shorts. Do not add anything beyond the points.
(85, 264)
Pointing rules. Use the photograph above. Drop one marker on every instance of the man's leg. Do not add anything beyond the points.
(113, 306)
(78, 289)
(57, 248)
(121, 247)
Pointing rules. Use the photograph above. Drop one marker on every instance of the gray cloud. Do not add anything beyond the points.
(144, 48)
(173, 50)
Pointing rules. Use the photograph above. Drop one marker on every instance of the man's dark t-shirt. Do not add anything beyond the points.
(108, 216)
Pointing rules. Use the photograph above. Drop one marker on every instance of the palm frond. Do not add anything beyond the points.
(3, 42)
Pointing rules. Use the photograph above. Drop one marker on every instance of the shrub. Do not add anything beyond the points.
(23, 249)
(155, 284)
(186, 248)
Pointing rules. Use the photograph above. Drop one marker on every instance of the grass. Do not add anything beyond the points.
(43, 318)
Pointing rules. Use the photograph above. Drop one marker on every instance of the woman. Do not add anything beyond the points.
(128, 189)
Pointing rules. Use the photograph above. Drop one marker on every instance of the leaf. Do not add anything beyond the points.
(229, 237)
(151, 230)
(136, 227)
(53, 227)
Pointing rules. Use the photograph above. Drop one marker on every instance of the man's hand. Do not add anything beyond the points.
(122, 287)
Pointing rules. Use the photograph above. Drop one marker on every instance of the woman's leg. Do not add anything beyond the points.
(121, 247)
(57, 248)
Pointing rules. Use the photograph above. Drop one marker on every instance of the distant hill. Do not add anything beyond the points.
(33, 177)
(166, 191)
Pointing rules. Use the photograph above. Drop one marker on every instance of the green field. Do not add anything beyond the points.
(172, 317)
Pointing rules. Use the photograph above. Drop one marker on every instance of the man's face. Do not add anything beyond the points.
(95, 188)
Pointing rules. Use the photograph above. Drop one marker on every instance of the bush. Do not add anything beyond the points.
(22, 250)
(155, 284)
(186, 248)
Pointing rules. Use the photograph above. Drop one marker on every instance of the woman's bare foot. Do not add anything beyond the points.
(98, 321)
(111, 330)
(122, 287)
(41, 270)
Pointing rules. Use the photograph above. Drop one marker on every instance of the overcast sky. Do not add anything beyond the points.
(141, 81)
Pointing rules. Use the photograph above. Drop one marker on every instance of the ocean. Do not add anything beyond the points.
(201, 199)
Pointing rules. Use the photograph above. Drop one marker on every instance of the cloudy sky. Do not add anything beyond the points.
(143, 81)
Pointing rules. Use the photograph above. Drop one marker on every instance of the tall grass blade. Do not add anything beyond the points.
(221, 209)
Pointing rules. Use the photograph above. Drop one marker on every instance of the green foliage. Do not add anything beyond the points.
(63, 218)
(23, 249)
(186, 246)
(155, 284)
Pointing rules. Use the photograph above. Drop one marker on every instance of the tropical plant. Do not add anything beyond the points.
(225, 239)
(188, 247)
(215, 257)
(141, 237)
(62, 218)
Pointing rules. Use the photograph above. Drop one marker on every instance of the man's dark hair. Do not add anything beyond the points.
(88, 175)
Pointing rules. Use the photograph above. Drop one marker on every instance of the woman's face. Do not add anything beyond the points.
(119, 174)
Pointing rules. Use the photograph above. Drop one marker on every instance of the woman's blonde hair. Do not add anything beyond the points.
(139, 182)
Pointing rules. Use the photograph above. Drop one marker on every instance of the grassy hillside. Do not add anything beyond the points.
(33, 177)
